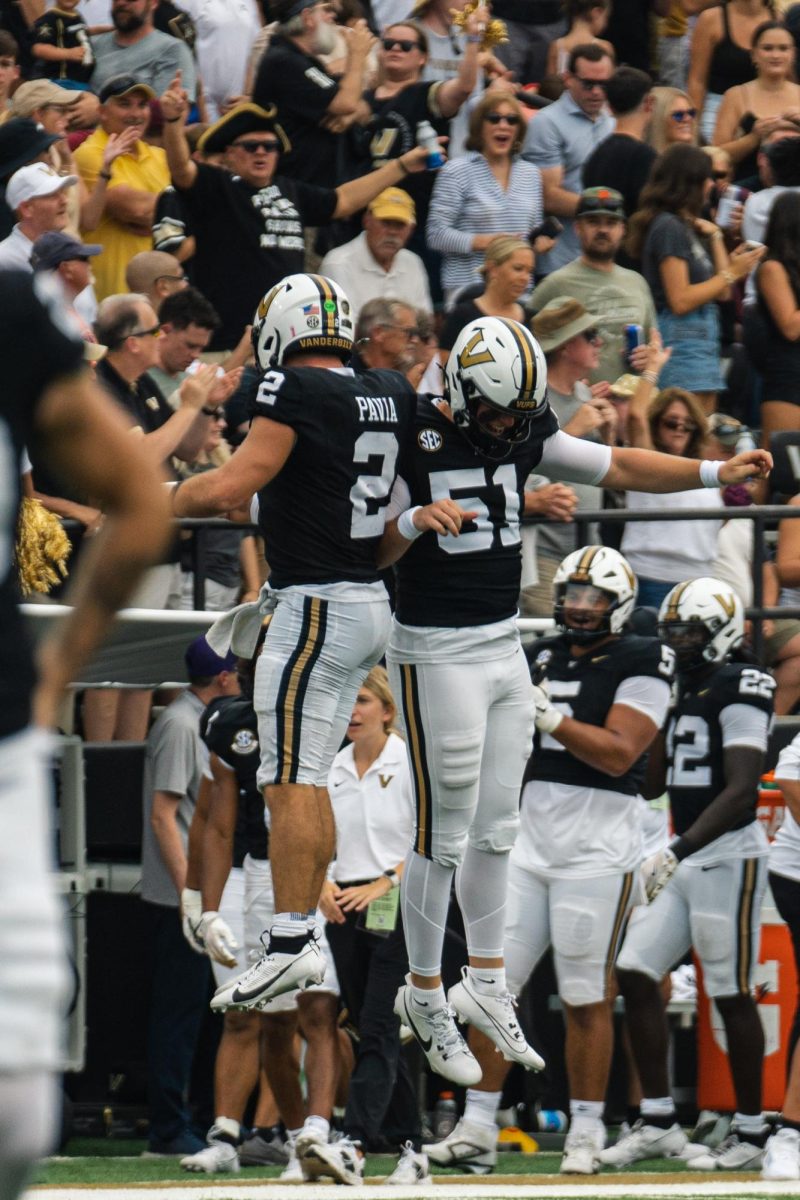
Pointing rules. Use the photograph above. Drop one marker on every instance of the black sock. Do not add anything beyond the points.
(660, 1121)
(286, 945)
(632, 1114)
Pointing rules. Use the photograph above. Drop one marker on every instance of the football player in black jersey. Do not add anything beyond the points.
(457, 665)
(707, 886)
(322, 455)
(572, 869)
(49, 401)
(236, 908)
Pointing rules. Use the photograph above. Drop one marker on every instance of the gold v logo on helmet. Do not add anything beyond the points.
(264, 303)
(727, 603)
(468, 357)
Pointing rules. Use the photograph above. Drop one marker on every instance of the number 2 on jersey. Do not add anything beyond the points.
(369, 495)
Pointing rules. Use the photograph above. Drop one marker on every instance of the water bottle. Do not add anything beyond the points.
(730, 198)
(426, 136)
(551, 1120)
(445, 1116)
(745, 441)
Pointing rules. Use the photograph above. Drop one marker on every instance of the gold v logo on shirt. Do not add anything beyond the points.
(385, 780)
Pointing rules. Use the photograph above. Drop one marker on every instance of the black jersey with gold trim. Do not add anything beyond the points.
(323, 514)
(473, 579)
(229, 727)
(695, 751)
(584, 687)
(37, 347)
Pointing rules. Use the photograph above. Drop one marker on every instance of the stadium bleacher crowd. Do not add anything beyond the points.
(620, 179)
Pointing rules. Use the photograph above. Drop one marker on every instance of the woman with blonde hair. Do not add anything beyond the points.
(373, 809)
(507, 270)
(487, 191)
(673, 119)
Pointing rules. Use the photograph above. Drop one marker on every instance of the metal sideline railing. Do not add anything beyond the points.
(762, 517)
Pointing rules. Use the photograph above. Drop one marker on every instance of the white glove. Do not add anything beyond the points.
(656, 872)
(192, 919)
(546, 717)
(219, 940)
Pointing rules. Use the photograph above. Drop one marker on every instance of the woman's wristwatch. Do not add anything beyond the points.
(393, 877)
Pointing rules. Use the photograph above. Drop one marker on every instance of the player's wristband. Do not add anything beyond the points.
(709, 473)
(405, 524)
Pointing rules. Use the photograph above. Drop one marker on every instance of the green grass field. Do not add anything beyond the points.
(110, 1169)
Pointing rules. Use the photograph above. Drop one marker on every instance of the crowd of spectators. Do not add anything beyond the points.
(623, 175)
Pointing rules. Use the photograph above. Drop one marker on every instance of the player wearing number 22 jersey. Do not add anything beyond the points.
(457, 666)
(711, 878)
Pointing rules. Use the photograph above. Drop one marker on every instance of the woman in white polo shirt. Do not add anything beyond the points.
(373, 808)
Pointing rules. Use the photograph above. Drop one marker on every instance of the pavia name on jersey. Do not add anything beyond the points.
(377, 408)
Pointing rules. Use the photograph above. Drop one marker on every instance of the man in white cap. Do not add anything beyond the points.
(376, 263)
(38, 198)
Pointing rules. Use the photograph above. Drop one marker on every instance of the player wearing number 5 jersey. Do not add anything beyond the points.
(322, 454)
(709, 884)
(457, 666)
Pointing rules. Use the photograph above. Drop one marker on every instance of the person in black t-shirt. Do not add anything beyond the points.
(315, 107)
(60, 44)
(50, 401)
(623, 161)
(248, 220)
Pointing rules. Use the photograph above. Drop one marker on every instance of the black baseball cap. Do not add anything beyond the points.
(22, 140)
(121, 85)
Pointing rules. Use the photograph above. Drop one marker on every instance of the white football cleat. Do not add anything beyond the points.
(437, 1034)
(292, 1172)
(340, 1161)
(470, 1146)
(272, 975)
(411, 1168)
(307, 1139)
(782, 1155)
(496, 1017)
(582, 1152)
(644, 1141)
(734, 1154)
(217, 1158)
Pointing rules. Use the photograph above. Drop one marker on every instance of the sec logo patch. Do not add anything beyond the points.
(430, 440)
(245, 742)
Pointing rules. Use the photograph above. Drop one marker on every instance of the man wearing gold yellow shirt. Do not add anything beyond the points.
(134, 180)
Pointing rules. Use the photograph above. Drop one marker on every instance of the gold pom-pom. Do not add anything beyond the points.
(42, 548)
(495, 32)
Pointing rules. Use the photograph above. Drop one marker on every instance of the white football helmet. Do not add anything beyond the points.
(604, 569)
(497, 362)
(702, 620)
(302, 312)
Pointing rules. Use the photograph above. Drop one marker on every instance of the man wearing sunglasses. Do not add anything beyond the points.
(315, 107)
(249, 220)
(562, 138)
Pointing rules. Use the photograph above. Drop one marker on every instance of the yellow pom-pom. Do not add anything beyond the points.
(42, 549)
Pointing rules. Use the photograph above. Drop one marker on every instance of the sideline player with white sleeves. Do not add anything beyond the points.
(458, 668)
(707, 886)
(572, 870)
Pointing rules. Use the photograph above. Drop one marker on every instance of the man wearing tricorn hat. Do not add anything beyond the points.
(249, 220)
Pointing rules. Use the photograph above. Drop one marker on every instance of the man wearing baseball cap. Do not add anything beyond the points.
(68, 259)
(620, 297)
(134, 179)
(37, 195)
(376, 263)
